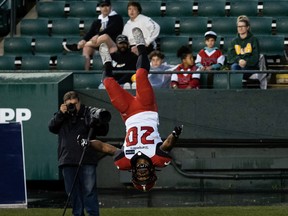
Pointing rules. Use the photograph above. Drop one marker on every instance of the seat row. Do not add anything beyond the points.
(272, 8)
(169, 26)
(75, 64)
(270, 45)
(47, 62)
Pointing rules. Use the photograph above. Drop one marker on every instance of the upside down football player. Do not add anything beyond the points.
(143, 150)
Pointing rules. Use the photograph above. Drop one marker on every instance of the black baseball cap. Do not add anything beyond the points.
(122, 39)
(104, 2)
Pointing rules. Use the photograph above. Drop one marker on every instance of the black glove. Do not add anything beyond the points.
(177, 131)
(82, 142)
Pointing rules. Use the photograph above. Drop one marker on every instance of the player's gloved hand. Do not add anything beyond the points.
(82, 142)
(177, 131)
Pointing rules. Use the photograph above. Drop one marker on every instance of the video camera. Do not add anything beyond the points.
(99, 121)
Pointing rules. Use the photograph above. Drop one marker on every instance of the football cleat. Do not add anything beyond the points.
(138, 36)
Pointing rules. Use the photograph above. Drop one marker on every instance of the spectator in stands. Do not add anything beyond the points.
(123, 60)
(157, 64)
(149, 27)
(104, 30)
(243, 53)
(185, 80)
(210, 57)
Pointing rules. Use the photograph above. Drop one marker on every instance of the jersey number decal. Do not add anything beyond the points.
(132, 136)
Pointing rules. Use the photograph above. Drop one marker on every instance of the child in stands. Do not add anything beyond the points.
(185, 80)
(210, 57)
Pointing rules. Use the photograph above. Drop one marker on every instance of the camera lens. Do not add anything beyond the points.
(71, 108)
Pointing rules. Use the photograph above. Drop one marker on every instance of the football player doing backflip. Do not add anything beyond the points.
(143, 150)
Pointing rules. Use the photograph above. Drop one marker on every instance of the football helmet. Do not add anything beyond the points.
(143, 172)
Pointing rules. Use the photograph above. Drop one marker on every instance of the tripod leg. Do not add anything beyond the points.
(74, 181)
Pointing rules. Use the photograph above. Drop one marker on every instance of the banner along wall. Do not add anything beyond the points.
(13, 192)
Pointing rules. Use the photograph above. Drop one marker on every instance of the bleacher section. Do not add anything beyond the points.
(182, 22)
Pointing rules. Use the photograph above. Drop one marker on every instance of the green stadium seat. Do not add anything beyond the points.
(65, 27)
(31, 27)
(210, 8)
(150, 8)
(97, 63)
(275, 8)
(227, 42)
(48, 46)
(170, 44)
(167, 25)
(7, 62)
(178, 8)
(51, 9)
(271, 45)
(224, 25)
(83, 9)
(121, 7)
(227, 25)
(70, 62)
(282, 25)
(18, 46)
(247, 7)
(35, 63)
(193, 25)
(261, 25)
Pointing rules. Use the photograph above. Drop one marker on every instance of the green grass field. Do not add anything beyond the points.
(195, 211)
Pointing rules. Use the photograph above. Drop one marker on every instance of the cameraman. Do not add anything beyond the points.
(71, 120)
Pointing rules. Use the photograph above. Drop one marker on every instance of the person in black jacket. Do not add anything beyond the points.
(123, 60)
(73, 119)
(103, 30)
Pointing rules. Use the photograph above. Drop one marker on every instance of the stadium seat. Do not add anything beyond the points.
(209, 8)
(65, 27)
(51, 9)
(177, 8)
(71, 62)
(167, 25)
(227, 42)
(18, 46)
(247, 7)
(7, 62)
(193, 25)
(261, 25)
(271, 45)
(97, 63)
(121, 7)
(35, 63)
(275, 8)
(150, 8)
(170, 44)
(31, 27)
(48, 46)
(282, 25)
(83, 9)
(224, 25)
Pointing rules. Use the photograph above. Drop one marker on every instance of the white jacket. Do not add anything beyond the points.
(149, 27)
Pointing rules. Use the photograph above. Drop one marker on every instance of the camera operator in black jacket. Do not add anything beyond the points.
(71, 120)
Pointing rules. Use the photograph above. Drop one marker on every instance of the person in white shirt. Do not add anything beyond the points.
(149, 27)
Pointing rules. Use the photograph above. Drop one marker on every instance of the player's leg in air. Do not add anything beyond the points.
(119, 97)
(144, 90)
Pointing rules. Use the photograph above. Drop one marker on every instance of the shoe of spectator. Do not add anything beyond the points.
(71, 47)
(104, 53)
(133, 85)
(138, 36)
(127, 85)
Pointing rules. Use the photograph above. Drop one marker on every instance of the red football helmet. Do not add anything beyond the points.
(143, 172)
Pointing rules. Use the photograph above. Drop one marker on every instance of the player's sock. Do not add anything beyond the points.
(106, 60)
